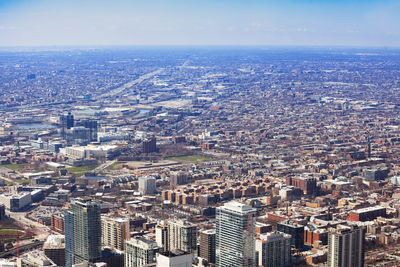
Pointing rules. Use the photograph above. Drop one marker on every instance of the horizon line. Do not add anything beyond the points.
(8, 47)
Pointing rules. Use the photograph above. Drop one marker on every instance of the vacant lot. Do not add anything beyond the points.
(80, 171)
(191, 159)
(15, 167)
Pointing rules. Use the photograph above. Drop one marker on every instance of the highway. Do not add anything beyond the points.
(128, 85)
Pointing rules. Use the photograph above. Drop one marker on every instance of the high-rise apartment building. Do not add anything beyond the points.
(139, 252)
(147, 185)
(182, 236)
(273, 250)
(82, 232)
(162, 237)
(207, 245)
(178, 178)
(235, 235)
(346, 247)
(295, 230)
(114, 232)
(149, 145)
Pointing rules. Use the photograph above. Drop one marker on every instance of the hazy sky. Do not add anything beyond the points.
(200, 22)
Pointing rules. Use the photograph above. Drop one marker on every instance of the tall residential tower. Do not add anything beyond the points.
(346, 247)
(235, 239)
(82, 232)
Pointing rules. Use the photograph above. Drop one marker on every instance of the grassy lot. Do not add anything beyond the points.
(81, 169)
(9, 223)
(116, 165)
(15, 167)
(9, 231)
(191, 159)
(8, 227)
(26, 181)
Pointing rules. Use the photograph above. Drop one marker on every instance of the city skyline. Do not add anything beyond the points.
(184, 133)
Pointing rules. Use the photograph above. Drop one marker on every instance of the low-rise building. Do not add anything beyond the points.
(16, 201)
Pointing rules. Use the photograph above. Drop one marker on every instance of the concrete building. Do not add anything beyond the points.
(114, 232)
(149, 145)
(91, 151)
(182, 236)
(295, 230)
(367, 214)
(54, 249)
(17, 201)
(376, 174)
(82, 232)
(176, 259)
(35, 259)
(207, 245)
(162, 236)
(346, 247)
(140, 252)
(235, 235)
(273, 250)
(178, 178)
(147, 185)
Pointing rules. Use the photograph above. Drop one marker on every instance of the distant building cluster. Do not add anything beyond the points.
(192, 157)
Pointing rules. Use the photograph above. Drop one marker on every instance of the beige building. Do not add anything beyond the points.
(162, 237)
(182, 236)
(346, 247)
(114, 232)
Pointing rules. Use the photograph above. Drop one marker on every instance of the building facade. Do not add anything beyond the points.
(182, 236)
(295, 230)
(235, 235)
(139, 252)
(207, 245)
(162, 236)
(82, 232)
(147, 185)
(273, 250)
(149, 145)
(114, 232)
(177, 259)
(346, 247)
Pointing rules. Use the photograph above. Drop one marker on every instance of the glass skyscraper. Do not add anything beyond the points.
(82, 232)
(235, 237)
